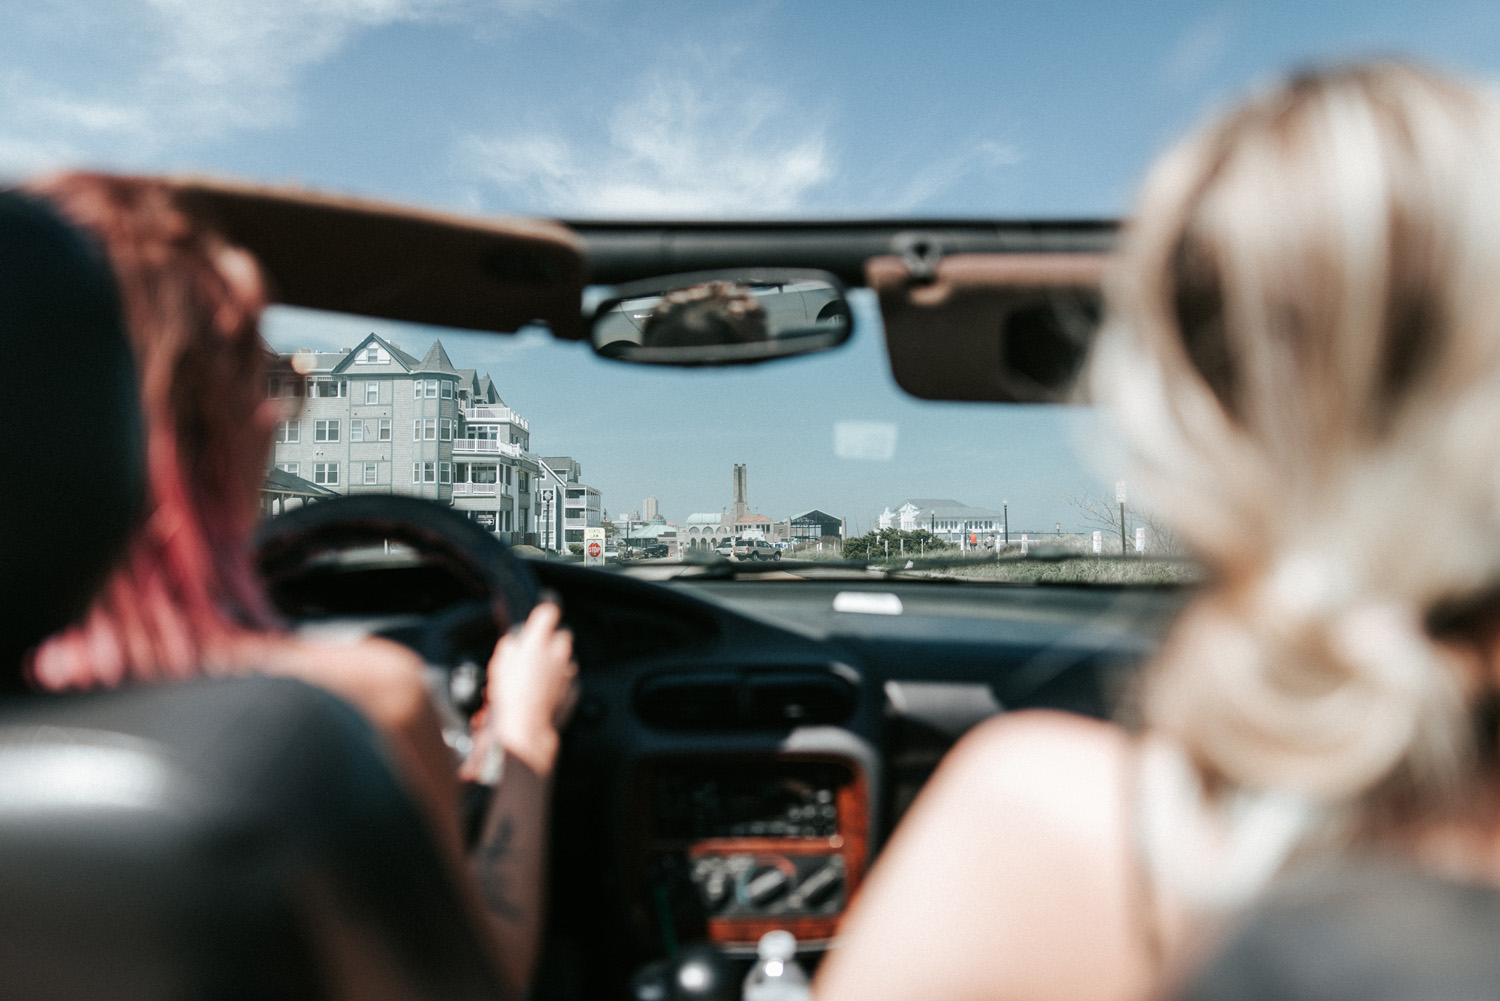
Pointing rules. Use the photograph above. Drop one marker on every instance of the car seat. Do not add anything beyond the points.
(1357, 928)
(232, 838)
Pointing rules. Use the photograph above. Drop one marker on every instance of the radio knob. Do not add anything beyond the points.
(766, 885)
(716, 889)
(821, 885)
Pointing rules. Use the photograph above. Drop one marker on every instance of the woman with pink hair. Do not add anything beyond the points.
(185, 600)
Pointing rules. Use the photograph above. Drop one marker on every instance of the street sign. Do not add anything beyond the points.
(1119, 491)
(593, 547)
(1098, 542)
(1140, 539)
(1025, 544)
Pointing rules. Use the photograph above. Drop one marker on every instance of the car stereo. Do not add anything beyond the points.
(738, 845)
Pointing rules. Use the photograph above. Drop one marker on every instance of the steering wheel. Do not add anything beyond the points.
(330, 537)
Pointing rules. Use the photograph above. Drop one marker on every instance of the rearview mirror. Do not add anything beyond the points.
(733, 317)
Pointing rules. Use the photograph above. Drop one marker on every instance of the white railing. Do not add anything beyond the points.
(497, 414)
(487, 445)
(488, 489)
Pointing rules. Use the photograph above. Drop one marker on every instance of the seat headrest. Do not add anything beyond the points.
(72, 446)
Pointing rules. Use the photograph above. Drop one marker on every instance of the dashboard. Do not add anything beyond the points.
(741, 748)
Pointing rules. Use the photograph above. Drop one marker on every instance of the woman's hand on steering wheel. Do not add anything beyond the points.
(528, 697)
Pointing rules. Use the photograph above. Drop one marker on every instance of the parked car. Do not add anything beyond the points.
(654, 550)
(755, 549)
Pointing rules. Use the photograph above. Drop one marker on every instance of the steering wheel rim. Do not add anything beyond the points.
(289, 542)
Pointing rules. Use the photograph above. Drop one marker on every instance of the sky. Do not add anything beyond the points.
(599, 108)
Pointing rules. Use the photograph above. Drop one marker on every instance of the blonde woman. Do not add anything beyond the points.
(1303, 350)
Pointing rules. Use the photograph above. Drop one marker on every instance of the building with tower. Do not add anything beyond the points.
(706, 530)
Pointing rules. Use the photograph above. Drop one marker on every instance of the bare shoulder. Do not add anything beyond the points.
(1034, 783)
(1056, 761)
(382, 679)
(1010, 873)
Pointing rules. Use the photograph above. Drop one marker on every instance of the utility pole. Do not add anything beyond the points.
(1005, 520)
(1120, 496)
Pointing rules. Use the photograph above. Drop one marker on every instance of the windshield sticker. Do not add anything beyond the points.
(867, 441)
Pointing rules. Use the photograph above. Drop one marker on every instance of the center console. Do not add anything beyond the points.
(735, 846)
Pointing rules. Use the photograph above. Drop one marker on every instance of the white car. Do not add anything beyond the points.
(755, 549)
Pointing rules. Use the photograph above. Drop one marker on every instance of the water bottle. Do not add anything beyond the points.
(776, 975)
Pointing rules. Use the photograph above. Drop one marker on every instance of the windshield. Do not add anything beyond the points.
(817, 459)
(556, 109)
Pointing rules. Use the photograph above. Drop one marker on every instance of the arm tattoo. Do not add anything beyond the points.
(492, 877)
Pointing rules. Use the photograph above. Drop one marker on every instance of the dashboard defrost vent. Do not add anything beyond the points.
(752, 700)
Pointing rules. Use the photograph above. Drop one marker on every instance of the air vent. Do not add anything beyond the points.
(689, 701)
(743, 701)
(797, 699)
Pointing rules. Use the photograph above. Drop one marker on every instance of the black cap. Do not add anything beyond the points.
(71, 447)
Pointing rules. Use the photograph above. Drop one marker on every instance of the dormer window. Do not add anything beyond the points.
(372, 355)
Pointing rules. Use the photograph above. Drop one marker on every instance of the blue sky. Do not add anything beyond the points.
(693, 109)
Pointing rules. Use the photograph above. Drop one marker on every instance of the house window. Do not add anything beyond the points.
(289, 432)
(445, 427)
(416, 430)
(416, 472)
(372, 472)
(573, 494)
(356, 430)
(372, 392)
(429, 472)
(445, 472)
(370, 356)
(525, 482)
(447, 390)
(482, 474)
(416, 388)
(295, 468)
(326, 473)
(431, 389)
(429, 429)
(325, 431)
(385, 429)
(327, 388)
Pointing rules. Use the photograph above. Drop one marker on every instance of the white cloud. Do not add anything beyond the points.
(944, 172)
(1199, 50)
(680, 145)
(193, 70)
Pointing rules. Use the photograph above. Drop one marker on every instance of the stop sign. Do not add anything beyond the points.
(595, 549)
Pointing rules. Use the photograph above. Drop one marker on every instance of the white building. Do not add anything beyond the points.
(948, 519)
(466, 447)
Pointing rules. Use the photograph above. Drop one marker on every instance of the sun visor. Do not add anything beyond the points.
(354, 256)
(1011, 328)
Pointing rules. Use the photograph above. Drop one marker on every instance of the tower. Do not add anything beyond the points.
(741, 493)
